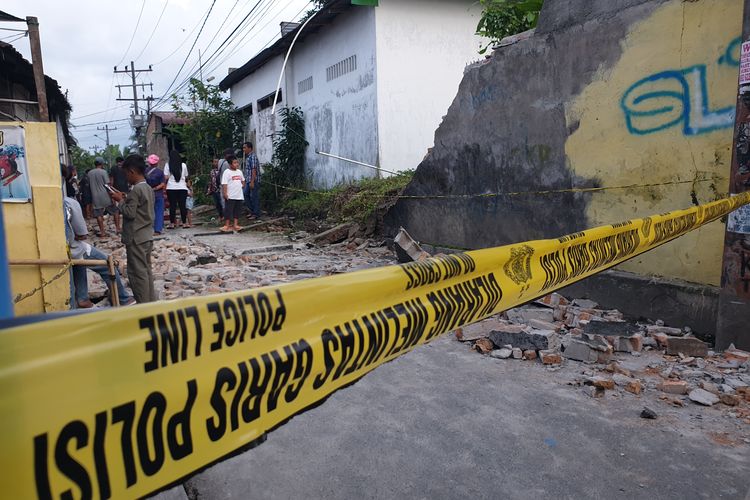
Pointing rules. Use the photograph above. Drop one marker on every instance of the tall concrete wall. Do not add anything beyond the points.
(604, 94)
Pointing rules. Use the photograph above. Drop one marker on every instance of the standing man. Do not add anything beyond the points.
(138, 235)
(119, 181)
(98, 180)
(252, 181)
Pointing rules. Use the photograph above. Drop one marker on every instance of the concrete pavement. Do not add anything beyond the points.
(445, 422)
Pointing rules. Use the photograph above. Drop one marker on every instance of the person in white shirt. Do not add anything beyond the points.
(175, 175)
(232, 186)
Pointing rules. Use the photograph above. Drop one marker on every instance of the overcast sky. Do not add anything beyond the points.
(82, 41)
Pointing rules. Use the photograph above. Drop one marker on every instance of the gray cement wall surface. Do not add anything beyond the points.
(506, 131)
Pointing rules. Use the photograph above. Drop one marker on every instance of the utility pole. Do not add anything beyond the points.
(138, 120)
(106, 130)
(733, 323)
(38, 67)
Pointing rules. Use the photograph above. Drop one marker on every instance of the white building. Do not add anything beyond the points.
(373, 83)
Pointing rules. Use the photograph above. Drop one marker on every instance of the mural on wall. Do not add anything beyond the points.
(664, 113)
(678, 98)
(14, 178)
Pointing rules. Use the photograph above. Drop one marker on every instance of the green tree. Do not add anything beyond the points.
(501, 18)
(214, 124)
(289, 145)
(81, 158)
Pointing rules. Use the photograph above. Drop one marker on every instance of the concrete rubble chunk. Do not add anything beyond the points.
(678, 387)
(582, 349)
(599, 381)
(585, 303)
(526, 340)
(703, 397)
(689, 346)
(484, 346)
(730, 399)
(675, 332)
(593, 391)
(553, 300)
(737, 355)
(550, 357)
(517, 353)
(407, 249)
(544, 325)
(529, 354)
(526, 314)
(612, 328)
(648, 413)
(336, 234)
(632, 385)
(734, 383)
(502, 353)
(710, 387)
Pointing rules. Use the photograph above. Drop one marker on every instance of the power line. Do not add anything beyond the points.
(181, 43)
(100, 123)
(105, 111)
(164, 97)
(166, 2)
(191, 48)
(238, 36)
(135, 30)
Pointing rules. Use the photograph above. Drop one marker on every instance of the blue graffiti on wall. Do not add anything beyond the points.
(677, 97)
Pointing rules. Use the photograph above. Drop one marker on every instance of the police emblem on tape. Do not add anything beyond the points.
(518, 267)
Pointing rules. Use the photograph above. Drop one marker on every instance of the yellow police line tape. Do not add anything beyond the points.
(121, 403)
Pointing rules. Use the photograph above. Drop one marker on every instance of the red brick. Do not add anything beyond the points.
(529, 354)
(550, 357)
(737, 355)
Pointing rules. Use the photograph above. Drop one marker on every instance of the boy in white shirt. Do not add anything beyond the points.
(232, 184)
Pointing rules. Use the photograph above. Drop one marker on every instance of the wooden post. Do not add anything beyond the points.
(36, 62)
(733, 322)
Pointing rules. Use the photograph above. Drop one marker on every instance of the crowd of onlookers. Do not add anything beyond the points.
(135, 193)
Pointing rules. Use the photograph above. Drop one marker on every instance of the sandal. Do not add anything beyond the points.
(226, 229)
(238, 228)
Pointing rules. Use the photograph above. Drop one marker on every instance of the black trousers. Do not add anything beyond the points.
(177, 197)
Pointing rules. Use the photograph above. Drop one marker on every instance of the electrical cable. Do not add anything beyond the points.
(191, 48)
(183, 42)
(166, 94)
(216, 63)
(153, 32)
(135, 30)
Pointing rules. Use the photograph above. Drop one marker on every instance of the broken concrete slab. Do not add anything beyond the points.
(517, 353)
(526, 340)
(631, 344)
(703, 397)
(689, 346)
(675, 332)
(268, 249)
(612, 328)
(336, 234)
(544, 325)
(585, 303)
(579, 349)
(407, 249)
(525, 314)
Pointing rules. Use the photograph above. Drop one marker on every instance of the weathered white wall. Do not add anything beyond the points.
(341, 114)
(423, 47)
(249, 90)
